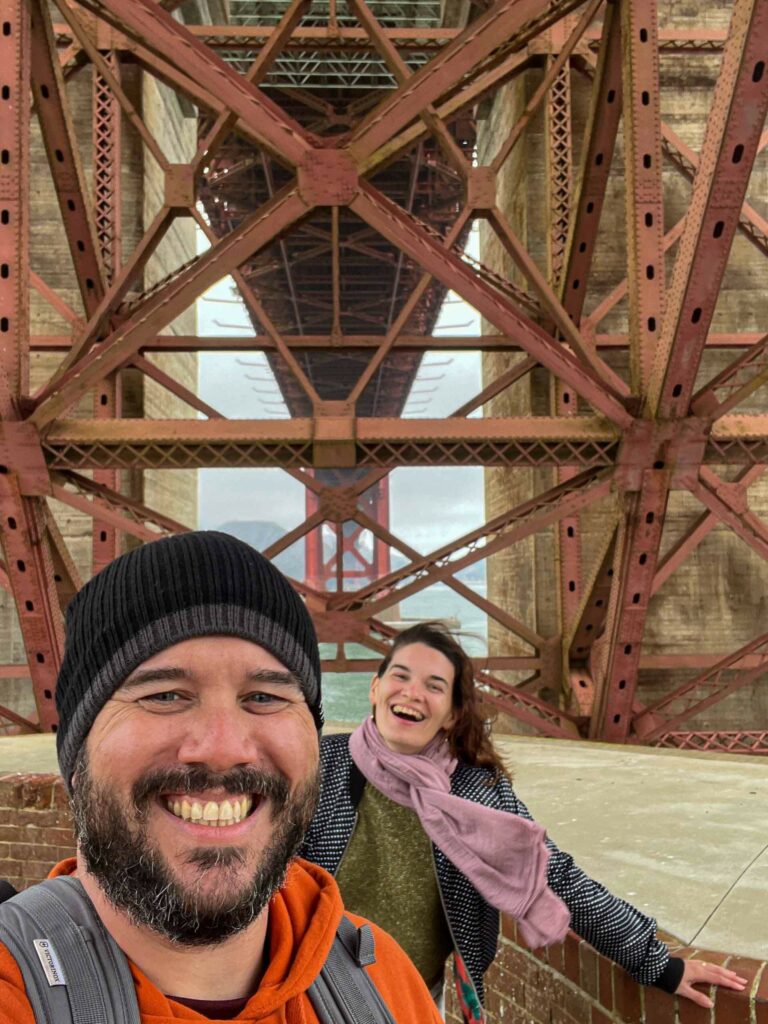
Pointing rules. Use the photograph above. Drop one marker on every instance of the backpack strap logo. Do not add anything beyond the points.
(50, 962)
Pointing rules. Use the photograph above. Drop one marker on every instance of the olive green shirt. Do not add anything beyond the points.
(387, 874)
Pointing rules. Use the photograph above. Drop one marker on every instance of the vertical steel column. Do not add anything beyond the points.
(559, 157)
(22, 522)
(382, 561)
(644, 196)
(314, 563)
(107, 159)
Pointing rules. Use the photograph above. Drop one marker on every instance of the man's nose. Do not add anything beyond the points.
(220, 737)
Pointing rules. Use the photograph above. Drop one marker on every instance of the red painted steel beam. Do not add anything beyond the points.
(66, 575)
(108, 201)
(27, 559)
(637, 545)
(524, 441)
(515, 525)
(686, 41)
(551, 305)
(718, 497)
(722, 741)
(175, 387)
(319, 38)
(546, 719)
(130, 272)
(124, 513)
(171, 299)
(403, 342)
(504, 618)
(644, 194)
(690, 540)
(588, 625)
(278, 39)
(503, 28)
(10, 716)
(751, 225)
(461, 101)
(412, 237)
(162, 35)
(734, 384)
(177, 443)
(695, 284)
(730, 143)
(702, 692)
(596, 160)
(52, 109)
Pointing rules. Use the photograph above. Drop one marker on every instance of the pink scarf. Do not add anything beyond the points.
(503, 856)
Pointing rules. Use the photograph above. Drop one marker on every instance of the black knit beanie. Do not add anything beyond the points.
(170, 590)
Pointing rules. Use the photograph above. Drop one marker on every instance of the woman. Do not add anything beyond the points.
(378, 819)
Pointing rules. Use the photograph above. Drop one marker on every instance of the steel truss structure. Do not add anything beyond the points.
(336, 178)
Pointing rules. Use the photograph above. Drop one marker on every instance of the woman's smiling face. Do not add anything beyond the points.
(413, 698)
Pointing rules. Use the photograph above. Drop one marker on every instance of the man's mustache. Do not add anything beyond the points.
(242, 779)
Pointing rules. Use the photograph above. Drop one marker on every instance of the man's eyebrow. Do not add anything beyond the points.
(173, 674)
(153, 675)
(270, 675)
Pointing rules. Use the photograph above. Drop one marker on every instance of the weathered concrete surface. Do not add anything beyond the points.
(680, 835)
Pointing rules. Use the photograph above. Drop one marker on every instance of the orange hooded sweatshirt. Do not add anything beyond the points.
(303, 917)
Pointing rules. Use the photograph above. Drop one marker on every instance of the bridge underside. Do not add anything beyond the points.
(337, 171)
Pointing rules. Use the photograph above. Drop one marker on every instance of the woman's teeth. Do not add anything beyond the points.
(405, 712)
(226, 812)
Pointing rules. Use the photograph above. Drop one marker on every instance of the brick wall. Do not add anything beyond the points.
(567, 984)
(35, 827)
(572, 984)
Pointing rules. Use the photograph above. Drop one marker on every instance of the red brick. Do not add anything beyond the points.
(731, 1005)
(691, 1013)
(659, 1006)
(600, 1017)
(556, 957)
(588, 973)
(509, 928)
(605, 982)
(627, 1001)
(576, 1004)
(571, 958)
(30, 851)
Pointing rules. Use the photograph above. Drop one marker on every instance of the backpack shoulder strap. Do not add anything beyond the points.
(73, 969)
(343, 992)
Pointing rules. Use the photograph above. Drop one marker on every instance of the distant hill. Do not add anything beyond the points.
(260, 534)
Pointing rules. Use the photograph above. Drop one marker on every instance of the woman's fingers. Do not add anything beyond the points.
(699, 972)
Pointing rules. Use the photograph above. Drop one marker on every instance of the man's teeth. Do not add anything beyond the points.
(401, 709)
(227, 812)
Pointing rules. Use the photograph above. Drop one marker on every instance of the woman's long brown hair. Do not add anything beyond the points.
(468, 738)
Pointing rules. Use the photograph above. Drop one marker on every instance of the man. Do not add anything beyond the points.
(189, 707)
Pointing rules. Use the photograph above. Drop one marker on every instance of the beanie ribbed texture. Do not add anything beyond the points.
(170, 590)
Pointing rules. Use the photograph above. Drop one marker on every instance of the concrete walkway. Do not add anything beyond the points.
(683, 836)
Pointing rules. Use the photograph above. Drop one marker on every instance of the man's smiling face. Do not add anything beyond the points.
(198, 782)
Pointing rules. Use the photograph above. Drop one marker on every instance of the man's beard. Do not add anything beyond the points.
(137, 879)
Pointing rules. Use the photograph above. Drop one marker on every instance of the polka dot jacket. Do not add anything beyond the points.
(615, 928)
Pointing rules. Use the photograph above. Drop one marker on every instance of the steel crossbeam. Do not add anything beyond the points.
(340, 204)
(703, 691)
